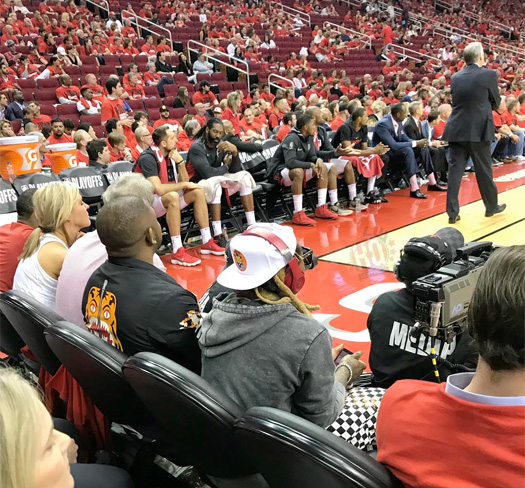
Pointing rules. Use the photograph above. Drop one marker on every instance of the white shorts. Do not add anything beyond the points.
(160, 209)
(309, 174)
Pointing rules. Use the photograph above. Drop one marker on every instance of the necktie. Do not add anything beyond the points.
(419, 127)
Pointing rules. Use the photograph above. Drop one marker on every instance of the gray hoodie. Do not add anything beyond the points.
(270, 355)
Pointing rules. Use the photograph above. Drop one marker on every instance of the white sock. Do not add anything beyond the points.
(413, 183)
(332, 194)
(297, 203)
(370, 184)
(216, 226)
(352, 191)
(431, 179)
(321, 196)
(205, 235)
(250, 217)
(176, 243)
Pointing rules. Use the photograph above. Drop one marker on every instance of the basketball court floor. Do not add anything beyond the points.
(357, 253)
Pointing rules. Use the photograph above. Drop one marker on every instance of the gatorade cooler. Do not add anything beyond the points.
(20, 154)
(62, 156)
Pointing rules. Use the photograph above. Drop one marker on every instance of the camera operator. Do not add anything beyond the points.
(469, 430)
(396, 352)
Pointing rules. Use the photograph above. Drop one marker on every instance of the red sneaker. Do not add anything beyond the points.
(211, 247)
(184, 258)
(300, 218)
(324, 213)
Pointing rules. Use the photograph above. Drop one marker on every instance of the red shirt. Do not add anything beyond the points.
(12, 239)
(112, 108)
(99, 93)
(82, 159)
(336, 122)
(68, 92)
(160, 122)
(64, 138)
(498, 119)
(428, 437)
(439, 128)
(42, 120)
(135, 92)
(233, 118)
(282, 132)
(183, 141)
(207, 98)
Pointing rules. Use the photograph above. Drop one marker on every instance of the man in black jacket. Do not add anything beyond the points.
(470, 130)
(395, 352)
(213, 157)
(298, 160)
(130, 303)
(15, 110)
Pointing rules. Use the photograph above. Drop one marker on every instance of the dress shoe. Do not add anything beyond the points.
(436, 187)
(417, 194)
(497, 210)
(453, 220)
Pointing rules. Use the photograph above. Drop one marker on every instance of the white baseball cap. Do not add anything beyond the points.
(61, 50)
(255, 260)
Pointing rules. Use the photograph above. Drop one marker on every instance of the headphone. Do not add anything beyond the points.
(294, 275)
(419, 247)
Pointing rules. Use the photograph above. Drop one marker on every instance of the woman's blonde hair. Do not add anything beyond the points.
(18, 427)
(53, 205)
(234, 101)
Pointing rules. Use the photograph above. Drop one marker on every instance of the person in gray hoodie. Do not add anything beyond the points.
(260, 345)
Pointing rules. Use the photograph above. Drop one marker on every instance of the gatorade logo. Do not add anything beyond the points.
(30, 159)
(72, 161)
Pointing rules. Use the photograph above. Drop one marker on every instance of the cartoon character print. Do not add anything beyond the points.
(107, 329)
(192, 320)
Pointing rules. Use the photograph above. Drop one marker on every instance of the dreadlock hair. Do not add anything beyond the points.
(211, 122)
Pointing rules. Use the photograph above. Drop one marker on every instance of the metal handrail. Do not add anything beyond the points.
(410, 53)
(355, 3)
(216, 58)
(292, 11)
(98, 4)
(134, 18)
(275, 75)
(364, 38)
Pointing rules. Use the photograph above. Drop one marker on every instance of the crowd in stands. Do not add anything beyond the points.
(346, 115)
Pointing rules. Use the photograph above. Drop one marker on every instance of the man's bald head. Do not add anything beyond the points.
(228, 127)
(126, 225)
(141, 132)
(315, 112)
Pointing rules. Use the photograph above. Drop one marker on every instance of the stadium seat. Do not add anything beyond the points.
(136, 104)
(66, 110)
(26, 83)
(291, 452)
(178, 113)
(151, 92)
(30, 318)
(46, 95)
(73, 71)
(202, 426)
(92, 119)
(90, 193)
(114, 170)
(49, 83)
(170, 90)
(10, 341)
(150, 103)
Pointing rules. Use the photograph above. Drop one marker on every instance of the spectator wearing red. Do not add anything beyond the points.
(231, 113)
(266, 93)
(477, 418)
(149, 47)
(387, 34)
(36, 116)
(252, 127)
(201, 114)
(8, 35)
(444, 113)
(113, 106)
(27, 70)
(275, 116)
(53, 69)
(152, 76)
(144, 140)
(13, 237)
(99, 92)
(132, 68)
(187, 137)
(81, 139)
(127, 30)
(342, 116)
(66, 93)
(7, 78)
(58, 135)
(289, 120)
(87, 105)
(204, 95)
(166, 119)
(133, 89)
(128, 48)
(118, 150)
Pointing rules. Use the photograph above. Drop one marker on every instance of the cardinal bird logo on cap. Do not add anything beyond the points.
(240, 260)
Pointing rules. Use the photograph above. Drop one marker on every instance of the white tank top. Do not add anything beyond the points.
(31, 279)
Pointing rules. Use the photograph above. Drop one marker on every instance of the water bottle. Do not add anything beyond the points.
(224, 232)
(10, 172)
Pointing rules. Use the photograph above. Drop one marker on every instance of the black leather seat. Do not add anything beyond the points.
(10, 341)
(198, 419)
(30, 319)
(291, 452)
(114, 170)
(97, 367)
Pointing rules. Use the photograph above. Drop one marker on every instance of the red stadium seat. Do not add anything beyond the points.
(48, 109)
(150, 103)
(171, 90)
(92, 119)
(73, 71)
(26, 83)
(151, 91)
(65, 110)
(136, 105)
(46, 95)
(154, 114)
(177, 113)
(49, 83)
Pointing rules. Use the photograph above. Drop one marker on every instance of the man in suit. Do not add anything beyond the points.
(390, 131)
(470, 130)
(15, 110)
(417, 129)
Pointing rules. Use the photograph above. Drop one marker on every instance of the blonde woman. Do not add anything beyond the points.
(60, 213)
(35, 455)
(231, 113)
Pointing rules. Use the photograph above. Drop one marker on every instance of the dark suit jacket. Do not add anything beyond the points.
(474, 95)
(13, 112)
(412, 130)
(384, 132)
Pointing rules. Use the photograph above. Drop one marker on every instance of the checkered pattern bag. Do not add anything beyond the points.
(357, 422)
